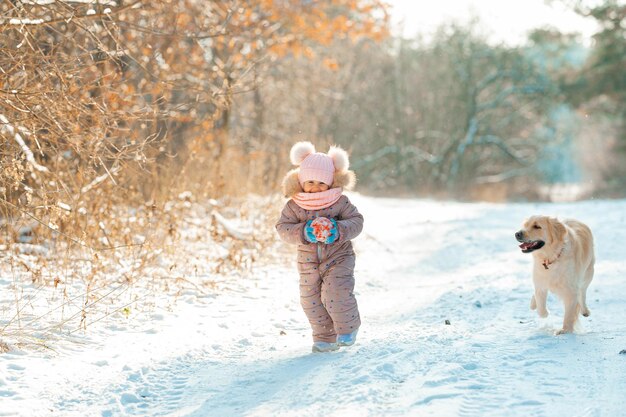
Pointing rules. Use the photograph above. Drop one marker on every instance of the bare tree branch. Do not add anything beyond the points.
(7, 128)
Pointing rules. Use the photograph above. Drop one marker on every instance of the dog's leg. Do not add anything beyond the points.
(570, 303)
(540, 302)
(533, 303)
(583, 291)
(582, 300)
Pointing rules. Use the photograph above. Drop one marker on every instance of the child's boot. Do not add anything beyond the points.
(324, 347)
(347, 339)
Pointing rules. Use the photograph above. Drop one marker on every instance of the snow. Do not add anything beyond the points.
(243, 348)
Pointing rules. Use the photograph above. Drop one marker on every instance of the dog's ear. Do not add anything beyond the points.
(556, 230)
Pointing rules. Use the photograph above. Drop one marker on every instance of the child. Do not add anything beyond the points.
(322, 221)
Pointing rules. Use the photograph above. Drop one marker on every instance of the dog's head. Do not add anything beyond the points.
(539, 231)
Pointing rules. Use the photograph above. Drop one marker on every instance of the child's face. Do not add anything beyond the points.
(314, 187)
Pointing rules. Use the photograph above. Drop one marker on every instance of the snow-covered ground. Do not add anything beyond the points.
(243, 348)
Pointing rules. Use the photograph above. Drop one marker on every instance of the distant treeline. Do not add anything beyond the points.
(133, 101)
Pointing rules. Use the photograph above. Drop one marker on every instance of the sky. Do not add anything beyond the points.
(505, 21)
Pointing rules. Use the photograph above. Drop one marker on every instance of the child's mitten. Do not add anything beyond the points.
(309, 232)
(321, 228)
(334, 233)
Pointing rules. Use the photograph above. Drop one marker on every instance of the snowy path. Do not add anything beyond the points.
(246, 351)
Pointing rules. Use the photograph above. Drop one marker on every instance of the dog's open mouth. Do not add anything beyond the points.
(528, 247)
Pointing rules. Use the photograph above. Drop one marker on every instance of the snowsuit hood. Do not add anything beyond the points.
(291, 185)
(331, 168)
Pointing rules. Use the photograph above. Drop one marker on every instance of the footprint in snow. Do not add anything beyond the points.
(128, 398)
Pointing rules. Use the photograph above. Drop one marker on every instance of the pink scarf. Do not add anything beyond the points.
(318, 201)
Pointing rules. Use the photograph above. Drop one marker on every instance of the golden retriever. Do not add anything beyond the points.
(563, 264)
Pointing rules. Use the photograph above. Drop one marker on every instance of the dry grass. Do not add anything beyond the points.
(147, 252)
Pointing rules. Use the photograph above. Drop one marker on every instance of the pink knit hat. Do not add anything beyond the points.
(318, 166)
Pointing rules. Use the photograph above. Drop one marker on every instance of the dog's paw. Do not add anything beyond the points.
(563, 331)
(586, 312)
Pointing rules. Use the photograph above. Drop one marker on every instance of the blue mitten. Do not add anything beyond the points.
(334, 233)
(309, 233)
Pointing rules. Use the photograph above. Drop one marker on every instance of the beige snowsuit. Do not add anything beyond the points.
(326, 271)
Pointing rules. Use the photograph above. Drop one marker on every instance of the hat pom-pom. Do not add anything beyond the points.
(340, 158)
(300, 151)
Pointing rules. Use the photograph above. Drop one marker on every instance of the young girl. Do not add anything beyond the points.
(322, 221)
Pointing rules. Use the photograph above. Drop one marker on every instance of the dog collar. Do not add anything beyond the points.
(547, 262)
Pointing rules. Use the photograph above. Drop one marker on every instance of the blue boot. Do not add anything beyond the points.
(324, 347)
(347, 339)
